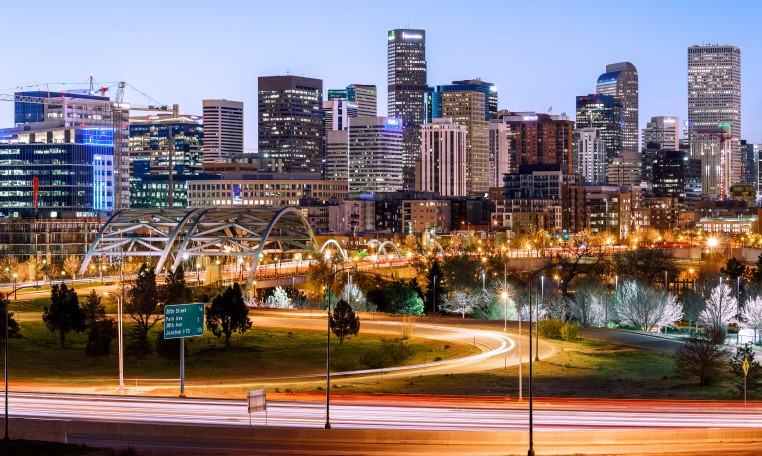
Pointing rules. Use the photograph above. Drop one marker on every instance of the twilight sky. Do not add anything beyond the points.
(539, 53)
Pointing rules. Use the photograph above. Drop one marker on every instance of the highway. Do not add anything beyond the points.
(548, 417)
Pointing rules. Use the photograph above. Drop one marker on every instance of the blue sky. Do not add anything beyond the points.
(539, 53)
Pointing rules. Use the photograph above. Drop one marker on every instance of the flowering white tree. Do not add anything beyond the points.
(588, 305)
(752, 315)
(461, 302)
(643, 306)
(720, 308)
(354, 296)
(279, 299)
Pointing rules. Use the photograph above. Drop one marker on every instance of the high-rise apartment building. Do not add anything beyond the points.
(663, 130)
(363, 95)
(625, 169)
(433, 105)
(443, 157)
(590, 155)
(406, 74)
(500, 155)
(605, 112)
(368, 155)
(223, 130)
(621, 80)
(538, 139)
(290, 123)
(714, 106)
(467, 107)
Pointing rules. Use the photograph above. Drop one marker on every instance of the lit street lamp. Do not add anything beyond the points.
(504, 296)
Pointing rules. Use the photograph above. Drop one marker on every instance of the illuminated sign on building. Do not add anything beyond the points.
(411, 36)
(529, 118)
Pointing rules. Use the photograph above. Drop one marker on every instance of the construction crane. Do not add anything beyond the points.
(724, 134)
(120, 119)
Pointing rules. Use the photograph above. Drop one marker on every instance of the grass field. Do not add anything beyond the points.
(259, 353)
(583, 369)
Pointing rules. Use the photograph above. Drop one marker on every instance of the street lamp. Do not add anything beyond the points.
(328, 350)
(121, 339)
(198, 272)
(504, 296)
(434, 297)
(6, 299)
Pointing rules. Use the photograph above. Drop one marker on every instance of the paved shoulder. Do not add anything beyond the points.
(632, 339)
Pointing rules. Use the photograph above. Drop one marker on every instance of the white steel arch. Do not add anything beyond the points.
(338, 247)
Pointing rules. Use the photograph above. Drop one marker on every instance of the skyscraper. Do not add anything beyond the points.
(535, 138)
(714, 113)
(443, 158)
(605, 112)
(621, 80)
(590, 155)
(363, 95)
(406, 73)
(223, 130)
(291, 123)
(663, 130)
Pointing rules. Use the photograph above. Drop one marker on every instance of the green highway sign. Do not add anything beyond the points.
(183, 320)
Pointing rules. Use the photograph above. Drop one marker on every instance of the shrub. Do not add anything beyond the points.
(550, 328)
(390, 353)
(570, 332)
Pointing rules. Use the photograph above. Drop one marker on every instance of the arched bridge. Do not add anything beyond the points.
(174, 235)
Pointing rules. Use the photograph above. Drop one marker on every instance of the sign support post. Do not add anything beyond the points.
(181, 321)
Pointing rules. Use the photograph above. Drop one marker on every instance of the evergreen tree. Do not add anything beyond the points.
(101, 330)
(754, 378)
(437, 288)
(228, 313)
(64, 314)
(142, 304)
(13, 325)
(175, 289)
(343, 321)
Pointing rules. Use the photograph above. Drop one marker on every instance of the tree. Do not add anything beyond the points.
(703, 356)
(279, 299)
(753, 385)
(645, 307)
(751, 316)
(733, 269)
(343, 321)
(461, 302)
(175, 289)
(588, 305)
(694, 302)
(64, 314)
(228, 314)
(13, 325)
(71, 265)
(646, 264)
(584, 260)
(720, 309)
(143, 304)
(101, 330)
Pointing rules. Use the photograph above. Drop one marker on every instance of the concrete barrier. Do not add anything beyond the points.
(623, 441)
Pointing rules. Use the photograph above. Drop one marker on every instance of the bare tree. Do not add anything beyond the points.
(751, 316)
(579, 261)
(588, 306)
(645, 307)
(721, 308)
(461, 302)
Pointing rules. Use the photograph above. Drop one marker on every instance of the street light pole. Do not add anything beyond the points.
(434, 298)
(328, 350)
(537, 317)
(120, 335)
(7, 301)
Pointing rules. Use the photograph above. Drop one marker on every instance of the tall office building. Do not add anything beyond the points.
(433, 104)
(469, 107)
(625, 169)
(675, 175)
(714, 107)
(663, 130)
(538, 139)
(155, 140)
(336, 114)
(291, 123)
(605, 112)
(223, 130)
(621, 80)
(363, 95)
(368, 155)
(750, 154)
(443, 157)
(590, 155)
(406, 73)
(500, 156)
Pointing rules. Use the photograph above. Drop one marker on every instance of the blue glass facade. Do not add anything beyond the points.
(433, 97)
(75, 178)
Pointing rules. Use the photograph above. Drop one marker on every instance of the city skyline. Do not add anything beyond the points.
(248, 52)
